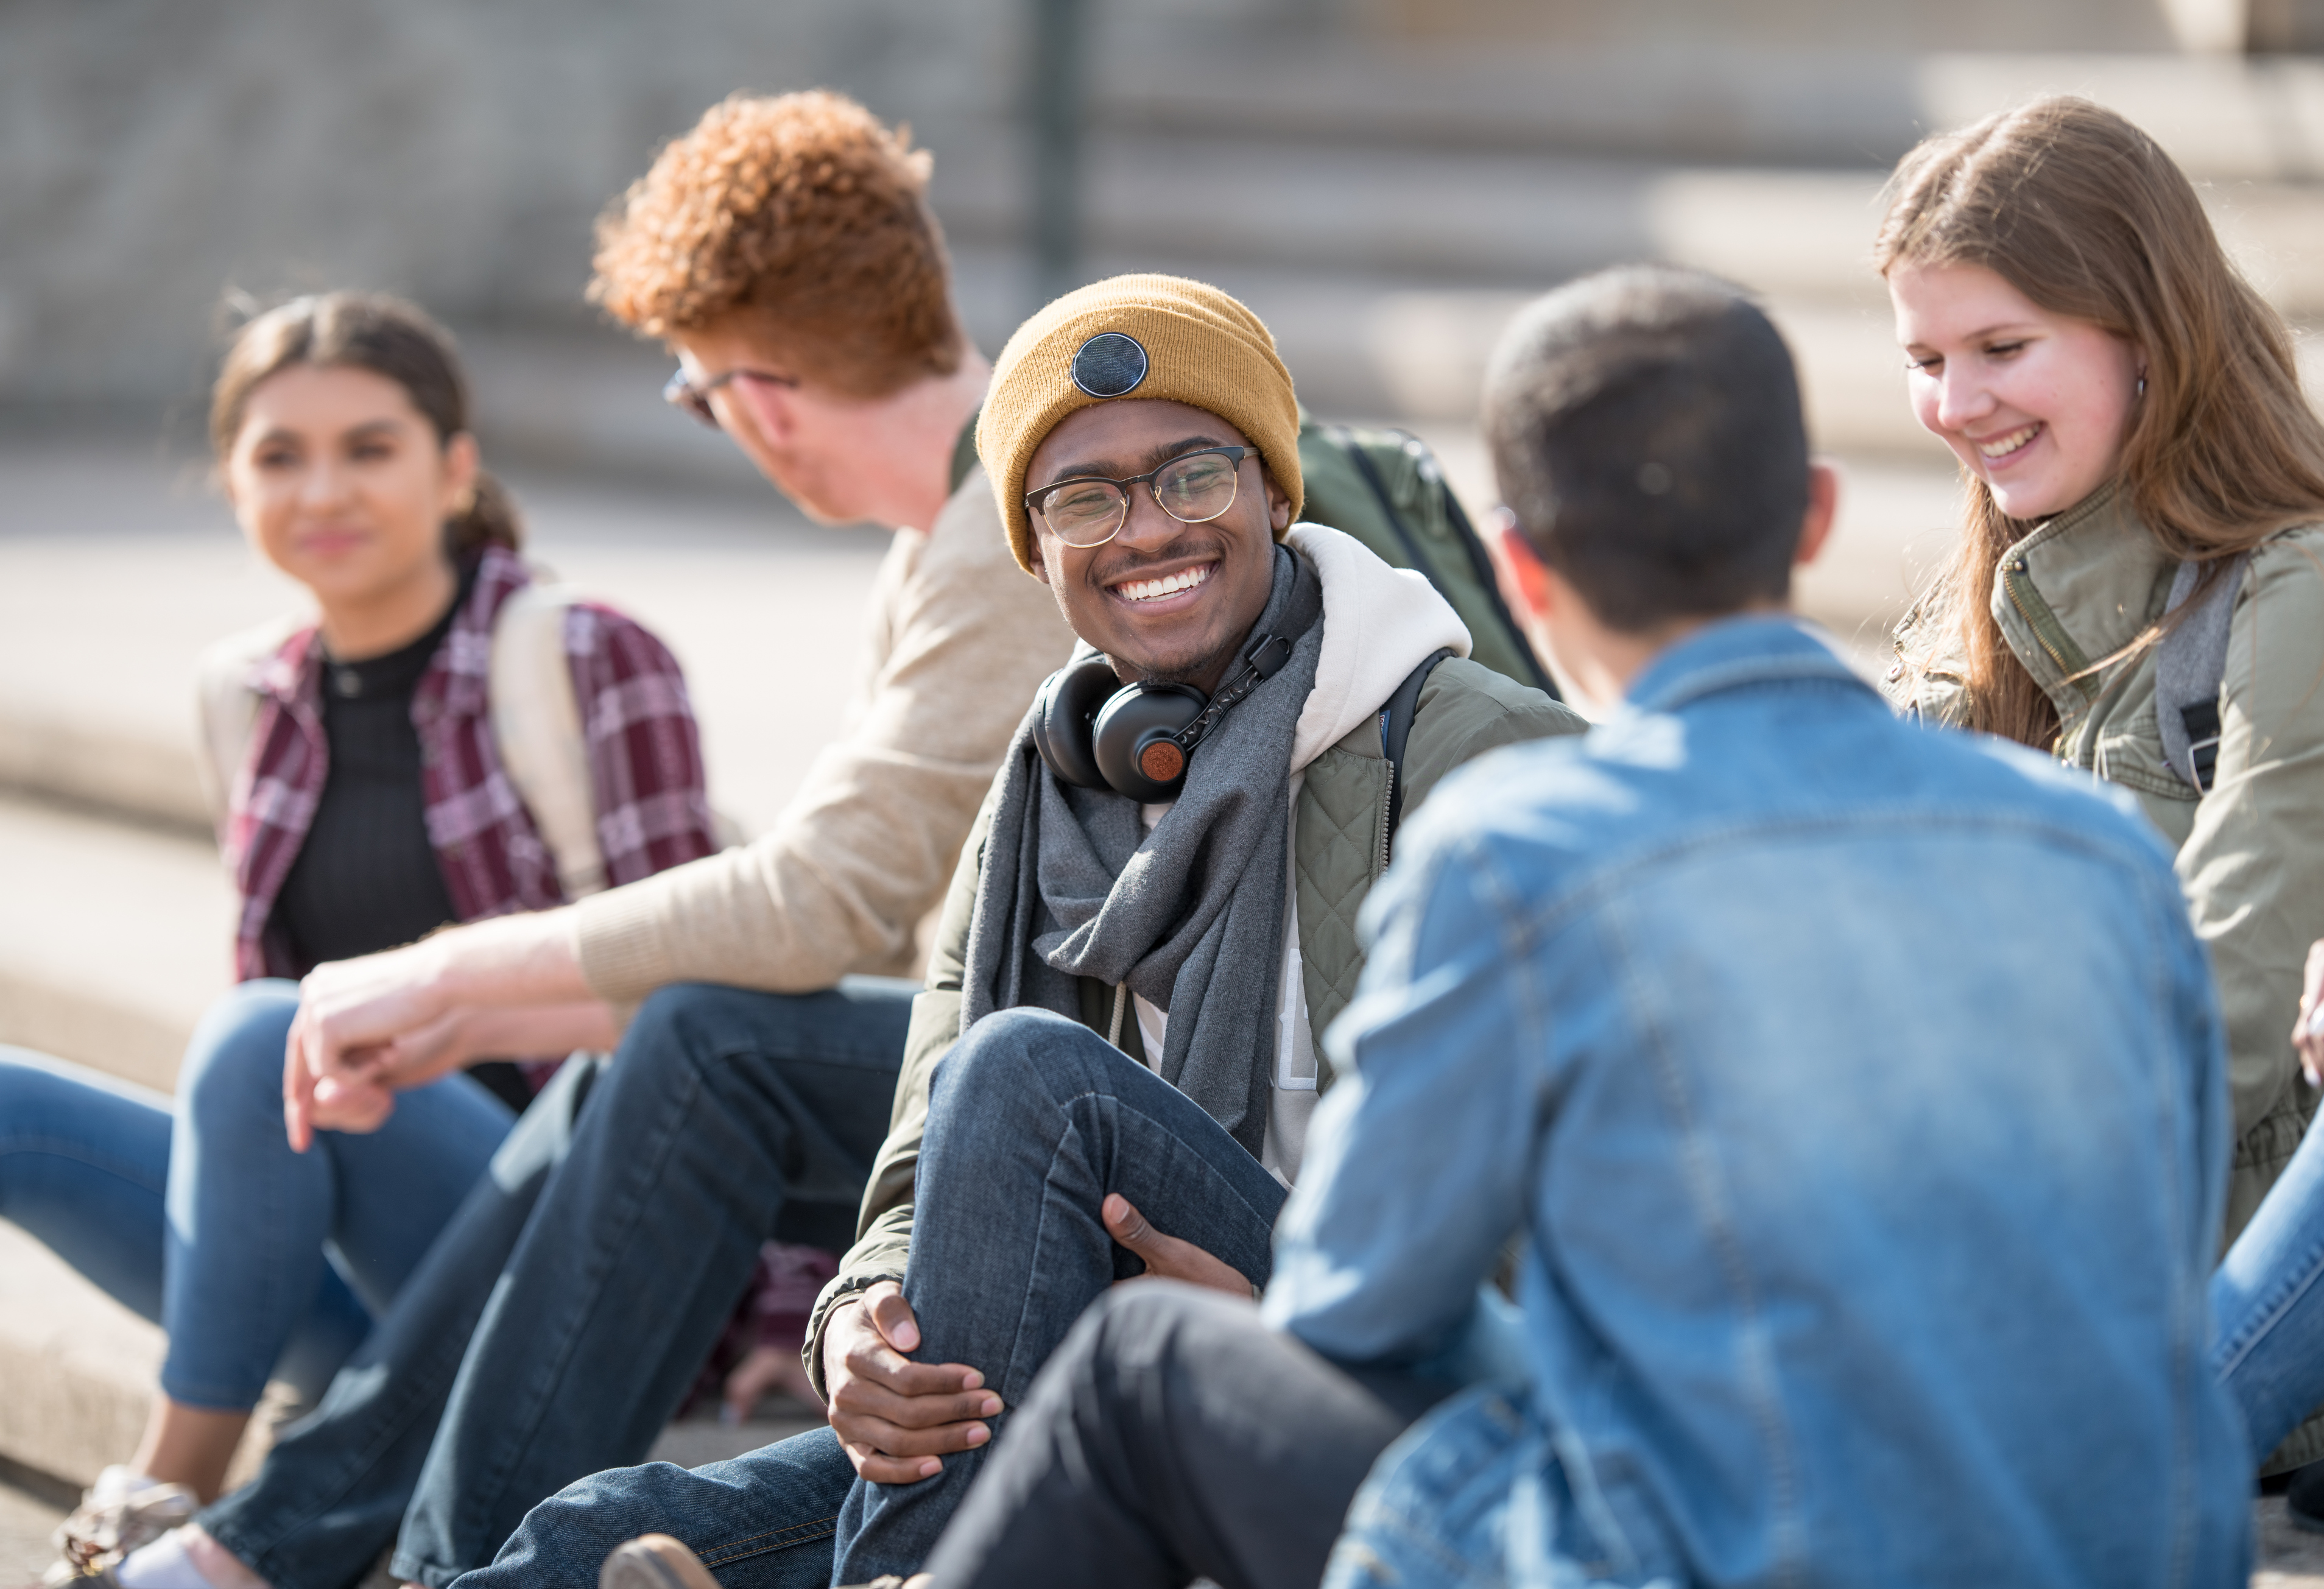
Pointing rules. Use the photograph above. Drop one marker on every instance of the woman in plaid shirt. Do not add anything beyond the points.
(370, 806)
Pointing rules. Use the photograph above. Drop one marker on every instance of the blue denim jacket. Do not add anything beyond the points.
(1857, 1091)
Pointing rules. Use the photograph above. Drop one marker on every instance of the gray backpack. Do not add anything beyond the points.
(2190, 664)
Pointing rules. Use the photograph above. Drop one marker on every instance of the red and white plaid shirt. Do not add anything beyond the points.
(645, 768)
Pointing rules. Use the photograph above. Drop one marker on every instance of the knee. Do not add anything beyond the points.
(1013, 1057)
(677, 1032)
(233, 1065)
(1156, 1325)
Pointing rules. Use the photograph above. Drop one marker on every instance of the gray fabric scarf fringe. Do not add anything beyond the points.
(1191, 918)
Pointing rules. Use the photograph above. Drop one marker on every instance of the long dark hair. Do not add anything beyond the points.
(388, 337)
(2086, 214)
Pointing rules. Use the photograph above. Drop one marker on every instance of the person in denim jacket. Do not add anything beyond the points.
(1852, 1093)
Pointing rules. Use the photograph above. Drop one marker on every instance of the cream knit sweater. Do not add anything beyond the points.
(960, 639)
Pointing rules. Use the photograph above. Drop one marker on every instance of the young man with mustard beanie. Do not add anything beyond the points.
(1113, 1063)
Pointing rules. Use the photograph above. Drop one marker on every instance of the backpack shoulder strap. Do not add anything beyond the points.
(229, 707)
(2190, 663)
(1396, 731)
(536, 722)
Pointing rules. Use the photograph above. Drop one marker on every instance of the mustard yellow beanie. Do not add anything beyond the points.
(1134, 337)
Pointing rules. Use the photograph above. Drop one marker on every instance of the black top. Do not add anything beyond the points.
(366, 877)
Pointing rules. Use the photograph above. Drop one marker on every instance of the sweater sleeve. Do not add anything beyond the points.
(860, 857)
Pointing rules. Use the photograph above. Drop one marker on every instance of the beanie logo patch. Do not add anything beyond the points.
(1110, 364)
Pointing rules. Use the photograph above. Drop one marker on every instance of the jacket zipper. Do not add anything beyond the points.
(2009, 578)
(1387, 805)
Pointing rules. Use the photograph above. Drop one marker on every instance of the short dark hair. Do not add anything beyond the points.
(1645, 429)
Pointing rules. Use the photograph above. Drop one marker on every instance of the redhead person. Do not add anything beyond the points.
(368, 806)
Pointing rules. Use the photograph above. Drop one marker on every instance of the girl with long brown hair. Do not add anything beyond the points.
(2137, 460)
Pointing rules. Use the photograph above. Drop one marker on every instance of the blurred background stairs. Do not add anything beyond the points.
(1384, 182)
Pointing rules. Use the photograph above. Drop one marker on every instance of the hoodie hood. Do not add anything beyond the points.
(1379, 624)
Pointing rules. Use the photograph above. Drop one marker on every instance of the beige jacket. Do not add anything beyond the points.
(960, 639)
(2250, 853)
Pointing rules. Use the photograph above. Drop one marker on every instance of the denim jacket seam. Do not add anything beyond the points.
(1701, 1177)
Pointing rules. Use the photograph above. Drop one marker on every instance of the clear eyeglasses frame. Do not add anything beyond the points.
(684, 393)
(1090, 510)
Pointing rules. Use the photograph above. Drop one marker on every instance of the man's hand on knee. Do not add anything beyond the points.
(1168, 1258)
(897, 1418)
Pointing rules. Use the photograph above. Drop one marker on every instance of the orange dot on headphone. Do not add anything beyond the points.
(1161, 760)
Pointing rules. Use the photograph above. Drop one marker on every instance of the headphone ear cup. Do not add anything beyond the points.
(1069, 700)
(1132, 740)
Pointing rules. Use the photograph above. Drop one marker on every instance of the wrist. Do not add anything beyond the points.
(524, 960)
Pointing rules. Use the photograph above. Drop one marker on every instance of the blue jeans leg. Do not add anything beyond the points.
(332, 1491)
(255, 1228)
(2267, 1305)
(1032, 1120)
(564, 1313)
(760, 1521)
(84, 1167)
(83, 1162)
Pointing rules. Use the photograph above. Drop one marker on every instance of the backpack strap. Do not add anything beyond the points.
(1395, 728)
(2190, 663)
(229, 707)
(536, 723)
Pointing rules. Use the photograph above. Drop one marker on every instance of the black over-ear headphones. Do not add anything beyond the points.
(1094, 731)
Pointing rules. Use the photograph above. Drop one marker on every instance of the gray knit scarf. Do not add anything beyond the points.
(1189, 916)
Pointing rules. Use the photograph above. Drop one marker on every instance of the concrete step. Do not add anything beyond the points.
(81, 1372)
(1824, 99)
(113, 939)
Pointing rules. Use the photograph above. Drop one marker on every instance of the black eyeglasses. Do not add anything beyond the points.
(1090, 510)
(681, 392)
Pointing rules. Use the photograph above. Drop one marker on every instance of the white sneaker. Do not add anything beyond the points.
(121, 1512)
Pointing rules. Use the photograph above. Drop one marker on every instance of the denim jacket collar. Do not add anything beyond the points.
(1733, 653)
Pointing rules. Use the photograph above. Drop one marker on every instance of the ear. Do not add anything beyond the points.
(1278, 502)
(1034, 550)
(1824, 507)
(1522, 577)
(769, 407)
(462, 462)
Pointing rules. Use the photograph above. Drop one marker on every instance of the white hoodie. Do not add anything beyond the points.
(1380, 624)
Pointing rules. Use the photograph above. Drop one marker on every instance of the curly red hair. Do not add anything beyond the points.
(808, 215)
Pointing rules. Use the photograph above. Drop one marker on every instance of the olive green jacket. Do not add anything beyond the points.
(2251, 852)
(1340, 847)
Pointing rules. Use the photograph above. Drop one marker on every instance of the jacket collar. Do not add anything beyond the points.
(460, 672)
(1736, 653)
(2079, 588)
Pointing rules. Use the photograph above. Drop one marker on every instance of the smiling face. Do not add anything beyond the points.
(341, 484)
(1164, 600)
(2033, 403)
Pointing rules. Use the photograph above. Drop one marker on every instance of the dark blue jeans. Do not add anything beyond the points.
(1032, 1121)
(552, 1329)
